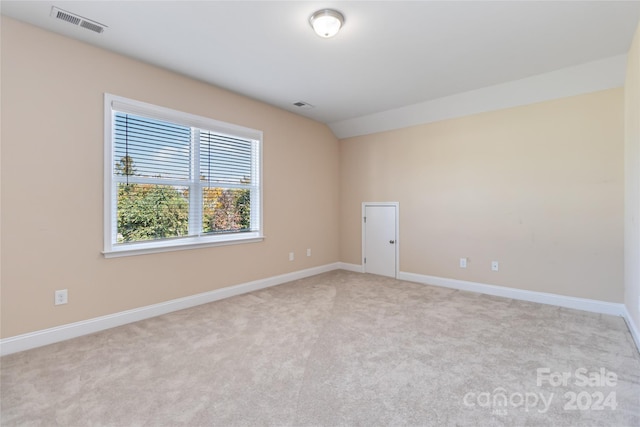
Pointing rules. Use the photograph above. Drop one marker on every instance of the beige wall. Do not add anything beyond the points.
(52, 185)
(632, 181)
(538, 188)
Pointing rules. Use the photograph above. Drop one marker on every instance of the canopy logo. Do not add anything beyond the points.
(498, 401)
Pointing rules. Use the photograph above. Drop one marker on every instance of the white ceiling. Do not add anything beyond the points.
(389, 54)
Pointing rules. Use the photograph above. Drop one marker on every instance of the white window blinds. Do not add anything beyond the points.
(171, 179)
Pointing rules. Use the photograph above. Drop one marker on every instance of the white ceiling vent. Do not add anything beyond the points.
(77, 20)
(303, 105)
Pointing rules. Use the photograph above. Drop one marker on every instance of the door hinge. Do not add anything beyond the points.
(365, 260)
(365, 219)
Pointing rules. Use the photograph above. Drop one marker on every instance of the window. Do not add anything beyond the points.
(176, 181)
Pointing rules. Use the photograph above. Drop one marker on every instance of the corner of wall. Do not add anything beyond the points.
(632, 188)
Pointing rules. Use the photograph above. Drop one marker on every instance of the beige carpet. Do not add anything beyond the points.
(337, 349)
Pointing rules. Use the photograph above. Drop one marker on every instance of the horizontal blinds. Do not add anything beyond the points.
(175, 180)
(225, 159)
(151, 148)
(181, 118)
(228, 174)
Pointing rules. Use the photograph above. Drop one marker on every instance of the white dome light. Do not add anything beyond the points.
(326, 22)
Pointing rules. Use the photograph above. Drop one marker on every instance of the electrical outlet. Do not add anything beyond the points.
(61, 297)
(494, 265)
(308, 252)
(463, 263)
(291, 256)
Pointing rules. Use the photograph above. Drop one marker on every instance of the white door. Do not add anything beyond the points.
(380, 239)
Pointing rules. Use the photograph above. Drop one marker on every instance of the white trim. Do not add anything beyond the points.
(595, 306)
(590, 77)
(356, 268)
(171, 245)
(133, 106)
(635, 333)
(396, 206)
(109, 195)
(72, 330)
(194, 240)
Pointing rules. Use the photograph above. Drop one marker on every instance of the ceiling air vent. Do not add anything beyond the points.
(303, 105)
(77, 20)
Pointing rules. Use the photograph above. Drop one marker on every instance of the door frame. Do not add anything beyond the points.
(395, 205)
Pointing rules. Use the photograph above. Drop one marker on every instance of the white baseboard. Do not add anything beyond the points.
(351, 267)
(72, 330)
(585, 304)
(635, 333)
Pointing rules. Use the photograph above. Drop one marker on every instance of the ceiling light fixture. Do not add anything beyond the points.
(326, 22)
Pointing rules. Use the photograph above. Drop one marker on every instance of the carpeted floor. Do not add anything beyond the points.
(337, 349)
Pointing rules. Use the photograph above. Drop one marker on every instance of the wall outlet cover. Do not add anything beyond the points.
(61, 297)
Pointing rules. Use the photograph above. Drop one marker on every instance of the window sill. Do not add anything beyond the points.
(170, 246)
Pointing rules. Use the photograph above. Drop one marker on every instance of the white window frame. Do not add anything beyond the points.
(111, 248)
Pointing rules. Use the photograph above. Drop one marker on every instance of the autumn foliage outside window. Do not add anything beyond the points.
(173, 181)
